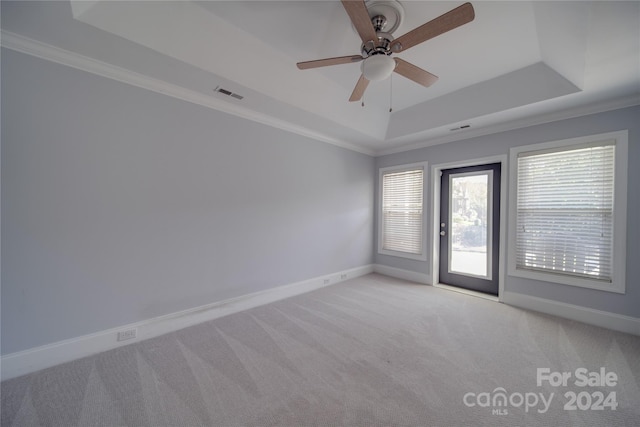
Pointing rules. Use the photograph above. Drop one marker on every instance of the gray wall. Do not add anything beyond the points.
(119, 205)
(499, 144)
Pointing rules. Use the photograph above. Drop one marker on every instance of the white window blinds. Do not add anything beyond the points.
(565, 212)
(402, 211)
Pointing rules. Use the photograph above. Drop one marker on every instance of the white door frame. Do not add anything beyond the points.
(434, 236)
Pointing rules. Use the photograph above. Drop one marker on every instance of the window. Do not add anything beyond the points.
(401, 215)
(569, 211)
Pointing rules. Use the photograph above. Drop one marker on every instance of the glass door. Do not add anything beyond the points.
(469, 227)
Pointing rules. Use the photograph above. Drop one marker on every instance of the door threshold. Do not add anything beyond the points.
(467, 292)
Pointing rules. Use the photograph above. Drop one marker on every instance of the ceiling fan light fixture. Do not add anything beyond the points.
(371, 20)
(378, 67)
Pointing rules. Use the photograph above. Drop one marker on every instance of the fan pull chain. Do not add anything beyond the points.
(391, 93)
(602, 196)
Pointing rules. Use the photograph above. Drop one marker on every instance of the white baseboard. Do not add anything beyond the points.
(604, 319)
(400, 273)
(35, 359)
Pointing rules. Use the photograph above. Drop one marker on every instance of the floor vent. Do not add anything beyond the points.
(228, 93)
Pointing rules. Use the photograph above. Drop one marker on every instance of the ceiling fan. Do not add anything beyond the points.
(378, 45)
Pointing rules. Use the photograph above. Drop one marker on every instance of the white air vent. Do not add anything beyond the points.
(227, 92)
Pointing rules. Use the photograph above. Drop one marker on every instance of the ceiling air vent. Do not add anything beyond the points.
(227, 92)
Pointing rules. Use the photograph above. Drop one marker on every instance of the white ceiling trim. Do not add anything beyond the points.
(51, 53)
(583, 110)
(525, 86)
(186, 31)
(48, 52)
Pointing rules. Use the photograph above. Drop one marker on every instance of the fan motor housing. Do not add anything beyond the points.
(380, 46)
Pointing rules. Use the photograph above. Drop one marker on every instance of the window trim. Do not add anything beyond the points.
(395, 169)
(618, 282)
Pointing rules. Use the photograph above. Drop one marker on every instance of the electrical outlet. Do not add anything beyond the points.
(326, 281)
(127, 335)
(343, 276)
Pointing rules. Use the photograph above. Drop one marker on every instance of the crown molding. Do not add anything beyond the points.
(26, 45)
(570, 113)
(65, 57)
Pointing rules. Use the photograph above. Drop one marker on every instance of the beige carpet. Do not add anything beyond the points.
(372, 351)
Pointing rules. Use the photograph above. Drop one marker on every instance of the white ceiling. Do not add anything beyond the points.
(517, 63)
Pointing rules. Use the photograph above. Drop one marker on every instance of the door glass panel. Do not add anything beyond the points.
(470, 223)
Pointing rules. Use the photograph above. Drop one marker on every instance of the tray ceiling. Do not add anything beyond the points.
(517, 62)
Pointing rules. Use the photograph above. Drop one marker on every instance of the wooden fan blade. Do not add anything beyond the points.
(414, 73)
(329, 61)
(359, 16)
(358, 91)
(450, 20)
